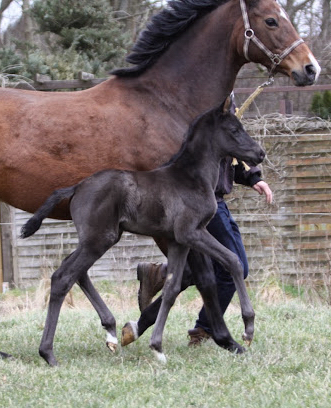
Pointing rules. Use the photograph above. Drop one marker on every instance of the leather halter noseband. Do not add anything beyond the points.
(276, 59)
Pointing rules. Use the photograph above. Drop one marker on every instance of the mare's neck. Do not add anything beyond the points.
(199, 69)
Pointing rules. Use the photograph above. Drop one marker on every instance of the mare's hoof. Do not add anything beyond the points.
(112, 346)
(129, 333)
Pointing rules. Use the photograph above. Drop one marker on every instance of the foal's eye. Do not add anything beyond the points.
(271, 22)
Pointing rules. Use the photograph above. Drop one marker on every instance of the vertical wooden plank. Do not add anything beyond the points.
(286, 107)
(6, 244)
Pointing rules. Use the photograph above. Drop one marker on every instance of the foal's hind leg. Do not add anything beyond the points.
(107, 319)
(4, 355)
(72, 269)
(177, 255)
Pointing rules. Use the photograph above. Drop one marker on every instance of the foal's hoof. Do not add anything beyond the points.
(236, 348)
(5, 355)
(111, 342)
(159, 356)
(247, 339)
(48, 357)
(129, 333)
(112, 346)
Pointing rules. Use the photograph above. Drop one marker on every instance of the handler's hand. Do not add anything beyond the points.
(263, 188)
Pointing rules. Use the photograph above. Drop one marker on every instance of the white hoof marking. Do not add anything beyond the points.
(160, 356)
(111, 339)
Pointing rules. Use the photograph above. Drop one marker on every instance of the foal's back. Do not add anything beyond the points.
(143, 202)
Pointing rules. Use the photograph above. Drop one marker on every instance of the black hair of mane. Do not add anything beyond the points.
(162, 30)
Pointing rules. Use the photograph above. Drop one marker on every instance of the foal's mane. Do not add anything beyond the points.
(163, 29)
(189, 135)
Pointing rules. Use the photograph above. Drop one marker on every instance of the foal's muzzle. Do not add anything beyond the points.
(258, 157)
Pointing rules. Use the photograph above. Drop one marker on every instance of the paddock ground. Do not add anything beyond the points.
(287, 365)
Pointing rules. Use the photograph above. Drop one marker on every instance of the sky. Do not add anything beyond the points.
(11, 14)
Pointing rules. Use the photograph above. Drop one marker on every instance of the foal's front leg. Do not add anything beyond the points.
(205, 281)
(202, 241)
(177, 255)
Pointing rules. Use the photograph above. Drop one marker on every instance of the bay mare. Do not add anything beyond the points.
(184, 63)
(175, 201)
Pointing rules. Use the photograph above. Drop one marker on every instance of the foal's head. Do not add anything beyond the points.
(228, 136)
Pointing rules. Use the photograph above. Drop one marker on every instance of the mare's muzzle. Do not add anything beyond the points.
(305, 77)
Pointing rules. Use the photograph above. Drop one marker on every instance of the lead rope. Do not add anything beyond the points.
(239, 112)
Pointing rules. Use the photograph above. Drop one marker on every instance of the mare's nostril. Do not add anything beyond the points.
(262, 155)
(310, 71)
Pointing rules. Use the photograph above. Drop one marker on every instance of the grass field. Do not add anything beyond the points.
(287, 365)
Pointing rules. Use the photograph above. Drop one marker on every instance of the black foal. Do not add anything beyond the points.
(175, 202)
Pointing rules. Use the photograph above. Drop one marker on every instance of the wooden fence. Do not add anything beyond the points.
(39, 255)
(289, 240)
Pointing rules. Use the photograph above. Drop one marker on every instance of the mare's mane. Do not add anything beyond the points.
(163, 29)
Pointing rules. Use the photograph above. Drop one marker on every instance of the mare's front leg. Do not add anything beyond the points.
(107, 319)
(72, 269)
(177, 255)
(202, 241)
(204, 278)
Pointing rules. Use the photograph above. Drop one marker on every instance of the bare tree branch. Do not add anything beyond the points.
(4, 5)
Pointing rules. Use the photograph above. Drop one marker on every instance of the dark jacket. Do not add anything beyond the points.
(230, 174)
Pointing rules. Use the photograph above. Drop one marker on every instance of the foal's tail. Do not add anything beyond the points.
(34, 223)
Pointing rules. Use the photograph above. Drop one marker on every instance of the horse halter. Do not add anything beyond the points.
(276, 59)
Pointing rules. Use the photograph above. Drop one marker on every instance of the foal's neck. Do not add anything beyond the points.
(199, 69)
(198, 158)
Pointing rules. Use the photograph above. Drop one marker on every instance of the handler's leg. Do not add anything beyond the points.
(151, 277)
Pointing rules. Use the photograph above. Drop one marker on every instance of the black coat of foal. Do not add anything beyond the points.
(176, 202)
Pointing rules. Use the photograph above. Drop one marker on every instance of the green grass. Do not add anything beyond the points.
(287, 365)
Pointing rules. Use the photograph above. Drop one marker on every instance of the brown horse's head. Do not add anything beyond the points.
(266, 35)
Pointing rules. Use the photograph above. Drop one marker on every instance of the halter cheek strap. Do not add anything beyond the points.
(276, 59)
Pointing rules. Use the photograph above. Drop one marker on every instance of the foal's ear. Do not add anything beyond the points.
(228, 105)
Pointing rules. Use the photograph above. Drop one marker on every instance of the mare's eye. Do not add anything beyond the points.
(271, 22)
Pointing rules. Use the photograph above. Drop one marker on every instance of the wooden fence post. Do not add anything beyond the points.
(286, 107)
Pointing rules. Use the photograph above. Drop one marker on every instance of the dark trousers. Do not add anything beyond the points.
(226, 231)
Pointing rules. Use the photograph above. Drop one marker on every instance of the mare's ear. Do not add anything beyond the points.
(228, 105)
